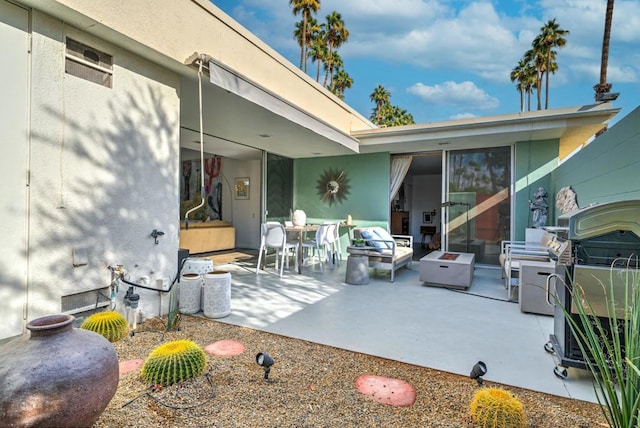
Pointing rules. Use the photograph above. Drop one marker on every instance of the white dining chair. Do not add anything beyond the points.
(321, 244)
(273, 235)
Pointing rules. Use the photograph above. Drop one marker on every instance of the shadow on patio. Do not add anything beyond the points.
(406, 321)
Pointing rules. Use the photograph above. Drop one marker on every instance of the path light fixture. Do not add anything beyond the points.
(478, 370)
(265, 361)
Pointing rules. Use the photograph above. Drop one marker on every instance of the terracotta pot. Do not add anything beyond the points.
(56, 375)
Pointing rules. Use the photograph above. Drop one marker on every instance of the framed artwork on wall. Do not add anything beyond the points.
(241, 188)
(427, 217)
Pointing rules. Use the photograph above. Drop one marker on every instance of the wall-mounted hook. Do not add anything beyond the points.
(155, 233)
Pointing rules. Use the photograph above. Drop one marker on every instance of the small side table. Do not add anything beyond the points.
(357, 269)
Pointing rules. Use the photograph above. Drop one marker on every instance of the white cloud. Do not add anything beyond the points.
(464, 94)
(462, 116)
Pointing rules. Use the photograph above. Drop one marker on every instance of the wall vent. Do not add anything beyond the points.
(87, 301)
(88, 63)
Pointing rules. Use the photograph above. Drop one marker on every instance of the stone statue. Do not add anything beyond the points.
(566, 200)
(540, 207)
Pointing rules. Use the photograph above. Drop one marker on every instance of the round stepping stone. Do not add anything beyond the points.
(225, 348)
(130, 365)
(385, 390)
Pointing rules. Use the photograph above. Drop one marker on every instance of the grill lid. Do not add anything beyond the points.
(601, 219)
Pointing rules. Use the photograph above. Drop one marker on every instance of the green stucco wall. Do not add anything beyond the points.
(368, 198)
(534, 166)
(607, 169)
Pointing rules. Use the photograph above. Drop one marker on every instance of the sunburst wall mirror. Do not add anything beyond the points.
(333, 186)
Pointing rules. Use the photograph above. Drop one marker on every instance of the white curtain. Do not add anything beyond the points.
(399, 167)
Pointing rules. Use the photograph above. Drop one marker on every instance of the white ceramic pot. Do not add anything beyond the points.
(189, 294)
(299, 218)
(199, 265)
(216, 301)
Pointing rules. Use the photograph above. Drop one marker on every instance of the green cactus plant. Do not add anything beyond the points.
(497, 408)
(109, 324)
(174, 362)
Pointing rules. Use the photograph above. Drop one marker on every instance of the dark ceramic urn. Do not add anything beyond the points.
(56, 375)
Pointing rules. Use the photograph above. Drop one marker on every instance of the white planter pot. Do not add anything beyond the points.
(189, 293)
(216, 302)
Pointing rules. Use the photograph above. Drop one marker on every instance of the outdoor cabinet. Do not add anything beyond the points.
(532, 293)
(399, 222)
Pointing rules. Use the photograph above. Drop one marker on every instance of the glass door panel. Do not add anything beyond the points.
(478, 202)
(279, 188)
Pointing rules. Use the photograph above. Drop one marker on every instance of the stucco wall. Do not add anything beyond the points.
(606, 170)
(535, 162)
(245, 212)
(204, 28)
(104, 171)
(368, 198)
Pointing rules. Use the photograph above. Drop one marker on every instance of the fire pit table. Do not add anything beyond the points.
(447, 269)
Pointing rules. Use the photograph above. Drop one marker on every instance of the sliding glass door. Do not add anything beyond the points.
(477, 208)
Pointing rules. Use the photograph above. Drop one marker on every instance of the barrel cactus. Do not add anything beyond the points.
(109, 324)
(174, 362)
(495, 407)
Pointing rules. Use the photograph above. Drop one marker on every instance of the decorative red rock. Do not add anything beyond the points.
(130, 365)
(394, 392)
(225, 348)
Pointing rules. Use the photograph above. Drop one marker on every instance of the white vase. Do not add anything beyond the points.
(299, 218)
(189, 295)
(217, 294)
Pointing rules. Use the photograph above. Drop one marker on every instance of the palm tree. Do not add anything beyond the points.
(331, 67)
(603, 87)
(535, 57)
(551, 36)
(529, 83)
(380, 96)
(336, 35)
(305, 37)
(306, 8)
(341, 81)
(518, 74)
(318, 50)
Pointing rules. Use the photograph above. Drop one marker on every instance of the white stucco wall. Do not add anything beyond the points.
(104, 171)
(246, 212)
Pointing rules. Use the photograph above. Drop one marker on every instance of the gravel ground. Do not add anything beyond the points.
(312, 386)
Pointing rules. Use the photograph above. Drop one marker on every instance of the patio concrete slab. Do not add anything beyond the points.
(448, 330)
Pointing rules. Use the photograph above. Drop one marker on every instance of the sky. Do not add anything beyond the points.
(451, 59)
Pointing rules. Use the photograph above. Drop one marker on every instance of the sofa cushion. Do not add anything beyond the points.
(371, 239)
(383, 235)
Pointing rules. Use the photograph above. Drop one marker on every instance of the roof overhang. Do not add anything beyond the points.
(572, 126)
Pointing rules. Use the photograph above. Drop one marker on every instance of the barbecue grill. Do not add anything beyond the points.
(590, 243)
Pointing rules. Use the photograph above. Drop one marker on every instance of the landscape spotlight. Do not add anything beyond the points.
(265, 361)
(478, 370)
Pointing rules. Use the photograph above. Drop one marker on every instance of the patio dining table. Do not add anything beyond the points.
(300, 231)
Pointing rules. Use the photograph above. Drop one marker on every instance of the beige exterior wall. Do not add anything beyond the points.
(199, 26)
(104, 171)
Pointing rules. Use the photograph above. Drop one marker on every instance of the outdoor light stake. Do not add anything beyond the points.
(265, 361)
(478, 370)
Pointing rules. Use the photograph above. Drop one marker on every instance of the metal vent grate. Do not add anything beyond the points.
(88, 63)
